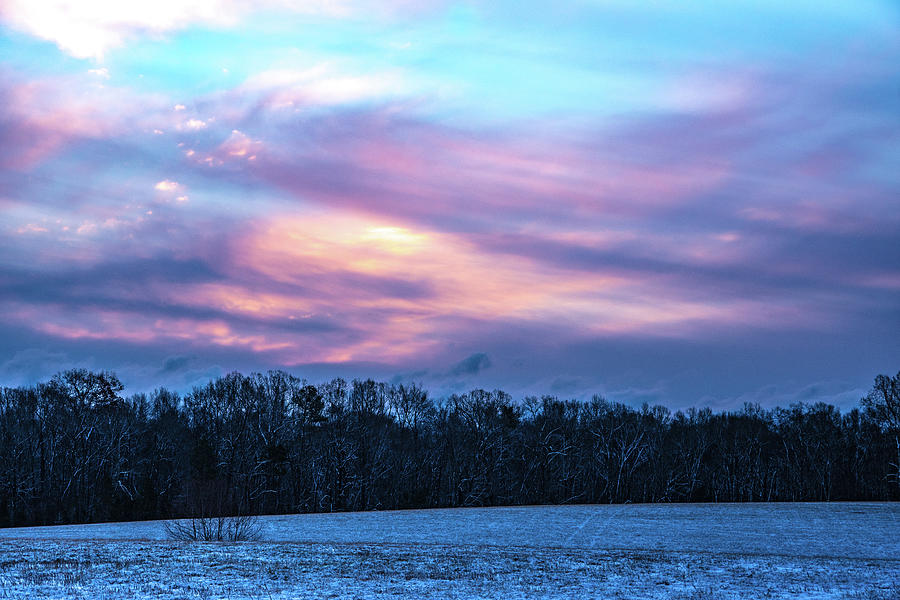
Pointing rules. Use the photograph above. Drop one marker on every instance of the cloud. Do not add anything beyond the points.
(166, 185)
(31, 365)
(175, 364)
(194, 125)
(240, 146)
(565, 385)
(345, 241)
(323, 84)
(843, 394)
(471, 365)
(91, 28)
(336, 221)
(41, 117)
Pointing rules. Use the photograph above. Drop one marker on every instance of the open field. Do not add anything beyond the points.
(839, 550)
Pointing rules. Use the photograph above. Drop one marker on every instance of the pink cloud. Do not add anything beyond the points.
(357, 233)
(423, 172)
(43, 115)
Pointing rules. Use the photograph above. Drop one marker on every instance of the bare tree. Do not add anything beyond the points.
(243, 528)
(883, 405)
(74, 450)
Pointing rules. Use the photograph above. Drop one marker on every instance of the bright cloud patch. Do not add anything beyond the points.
(322, 84)
(89, 28)
(166, 186)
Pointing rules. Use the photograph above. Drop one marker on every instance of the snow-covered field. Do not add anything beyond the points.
(838, 550)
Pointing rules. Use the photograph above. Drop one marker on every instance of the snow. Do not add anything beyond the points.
(813, 551)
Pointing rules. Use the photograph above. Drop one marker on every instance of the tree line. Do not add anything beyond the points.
(74, 449)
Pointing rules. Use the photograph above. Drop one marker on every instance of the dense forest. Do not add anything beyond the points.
(74, 449)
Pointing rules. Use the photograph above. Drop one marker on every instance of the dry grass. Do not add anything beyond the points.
(170, 570)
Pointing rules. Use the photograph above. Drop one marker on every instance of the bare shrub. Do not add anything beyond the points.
(214, 529)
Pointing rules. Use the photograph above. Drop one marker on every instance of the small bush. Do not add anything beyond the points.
(214, 529)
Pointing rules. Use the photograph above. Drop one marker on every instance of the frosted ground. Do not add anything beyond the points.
(810, 551)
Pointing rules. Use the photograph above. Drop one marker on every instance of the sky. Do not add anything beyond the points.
(688, 203)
